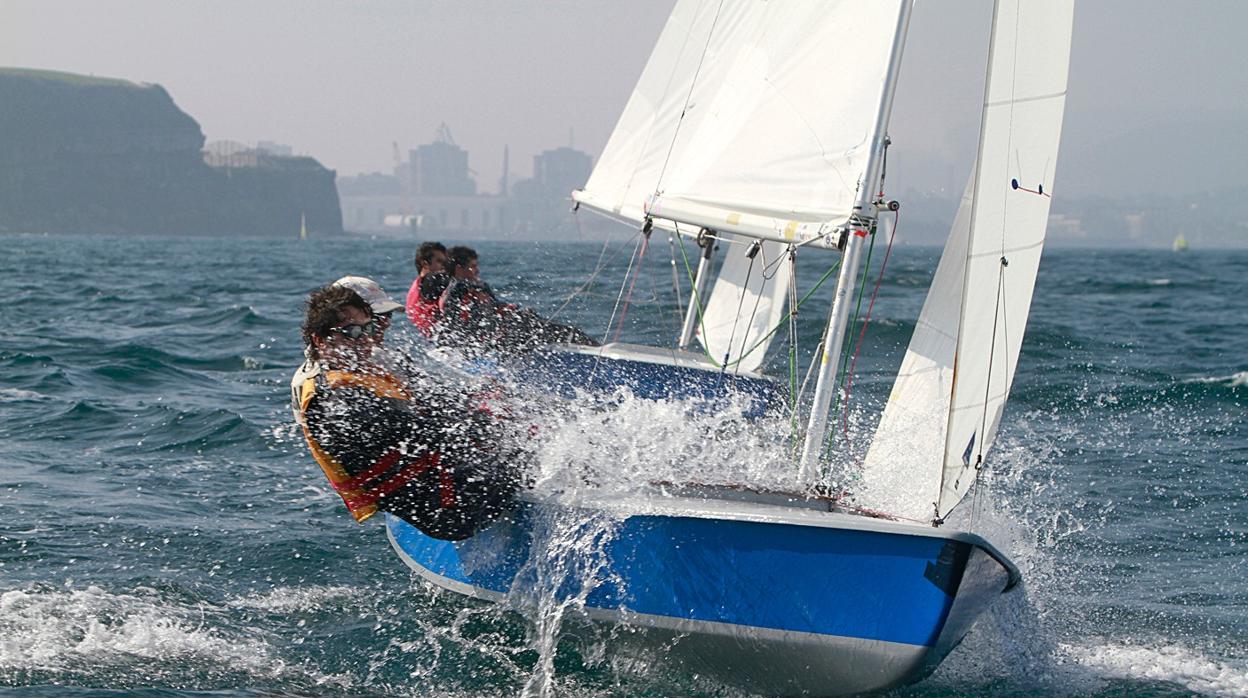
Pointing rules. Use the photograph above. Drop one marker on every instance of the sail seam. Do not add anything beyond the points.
(1020, 248)
(1023, 100)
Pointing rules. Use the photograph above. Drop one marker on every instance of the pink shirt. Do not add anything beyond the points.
(421, 313)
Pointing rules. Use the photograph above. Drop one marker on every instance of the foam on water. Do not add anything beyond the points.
(1168, 663)
(52, 630)
(7, 394)
(293, 599)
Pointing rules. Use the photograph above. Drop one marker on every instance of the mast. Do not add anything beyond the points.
(861, 224)
(706, 241)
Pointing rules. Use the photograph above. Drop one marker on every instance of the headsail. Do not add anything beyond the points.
(902, 469)
(1008, 211)
(748, 117)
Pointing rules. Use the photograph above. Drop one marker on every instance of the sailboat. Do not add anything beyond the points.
(1180, 243)
(762, 128)
(303, 226)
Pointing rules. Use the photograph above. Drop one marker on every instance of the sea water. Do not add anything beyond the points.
(163, 531)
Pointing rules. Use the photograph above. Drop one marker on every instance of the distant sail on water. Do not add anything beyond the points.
(1180, 243)
(303, 226)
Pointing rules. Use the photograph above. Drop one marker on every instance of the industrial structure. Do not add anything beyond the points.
(434, 193)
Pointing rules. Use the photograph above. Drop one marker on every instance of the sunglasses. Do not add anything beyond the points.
(356, 331)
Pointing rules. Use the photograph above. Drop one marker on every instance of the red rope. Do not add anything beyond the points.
(853, 363)
(645, 245)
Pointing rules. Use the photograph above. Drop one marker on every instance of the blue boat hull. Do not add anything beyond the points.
(772, 599)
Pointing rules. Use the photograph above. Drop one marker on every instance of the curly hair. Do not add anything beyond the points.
(324, 311)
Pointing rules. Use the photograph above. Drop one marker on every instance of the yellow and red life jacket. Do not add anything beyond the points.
(362, 491)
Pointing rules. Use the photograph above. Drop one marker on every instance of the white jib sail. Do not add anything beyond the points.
(749, 109)
(901, 472)
(745, 305)
(1021, 128)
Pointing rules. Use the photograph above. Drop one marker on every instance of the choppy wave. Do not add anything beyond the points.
(166, 531)
(1235, 380)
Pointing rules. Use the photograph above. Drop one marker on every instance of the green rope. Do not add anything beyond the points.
(695, 298)
(766, 337)
(846, 349)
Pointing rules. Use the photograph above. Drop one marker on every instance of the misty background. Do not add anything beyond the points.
(1153, 139)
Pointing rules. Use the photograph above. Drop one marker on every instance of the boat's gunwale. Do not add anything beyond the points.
(761, 512)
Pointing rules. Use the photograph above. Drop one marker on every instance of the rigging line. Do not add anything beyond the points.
(650, 133)
(845, 350)
(695, 297)
(770, 269)
(680, 306)
(664, 308)
(658, 183)
(862, 292)
(992, 349)
(867, 320)
(758, 298)
(1005, 339)
(598, 267)
(814, 359)
(1009, 142)
(780, 324)
(645, 245)
(792, 293)
(620, 295)
(740, 301)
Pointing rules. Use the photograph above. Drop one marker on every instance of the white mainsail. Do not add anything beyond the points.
(946, 404)
(742, 115)
(742, 123)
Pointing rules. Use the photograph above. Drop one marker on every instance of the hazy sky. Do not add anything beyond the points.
(342, 81)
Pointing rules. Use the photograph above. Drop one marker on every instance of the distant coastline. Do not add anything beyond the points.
(82, 154)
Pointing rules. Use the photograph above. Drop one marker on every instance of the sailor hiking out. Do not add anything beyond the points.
(396, 440)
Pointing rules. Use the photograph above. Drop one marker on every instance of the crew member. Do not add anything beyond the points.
(430, 259)
(420, 452)
(382, 307)
(473, 317)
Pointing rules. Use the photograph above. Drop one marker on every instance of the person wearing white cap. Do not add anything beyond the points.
(373, 294)
(427, 453)
(382, 306)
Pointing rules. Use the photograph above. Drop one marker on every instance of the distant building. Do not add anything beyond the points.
(557, 172)
(440, 168)
(433, 194)
(544, 203)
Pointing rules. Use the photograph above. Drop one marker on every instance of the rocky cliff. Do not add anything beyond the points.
(89, 155)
